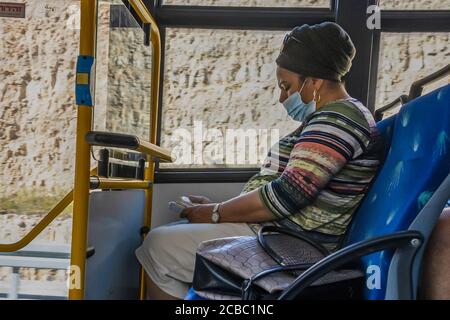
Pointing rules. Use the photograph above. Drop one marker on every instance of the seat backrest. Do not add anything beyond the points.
(386, 129)
(417, 163)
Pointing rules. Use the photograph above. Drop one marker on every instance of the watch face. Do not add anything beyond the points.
(215, 217)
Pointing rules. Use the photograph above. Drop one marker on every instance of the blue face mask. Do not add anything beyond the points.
(296, 108)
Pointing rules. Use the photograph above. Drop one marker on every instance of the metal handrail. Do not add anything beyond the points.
(37, 229)
(128, 141)
(380, 111)
(118, 183)
(33, 233)
(84, 126)
(155, 86)
(79, 195)
(415, 91)
(417, 87)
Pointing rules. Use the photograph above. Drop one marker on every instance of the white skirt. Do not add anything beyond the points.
(168, 252)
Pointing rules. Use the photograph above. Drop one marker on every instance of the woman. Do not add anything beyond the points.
(312, 180)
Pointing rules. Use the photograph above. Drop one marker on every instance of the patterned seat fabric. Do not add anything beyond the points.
(417, 162)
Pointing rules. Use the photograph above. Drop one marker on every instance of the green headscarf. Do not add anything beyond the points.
(323, 51)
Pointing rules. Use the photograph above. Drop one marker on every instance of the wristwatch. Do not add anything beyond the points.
(215, 217)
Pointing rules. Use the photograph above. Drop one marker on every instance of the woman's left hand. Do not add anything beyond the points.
(243, 208)
(200, 213)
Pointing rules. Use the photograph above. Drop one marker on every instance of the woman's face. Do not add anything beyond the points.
(290, 82)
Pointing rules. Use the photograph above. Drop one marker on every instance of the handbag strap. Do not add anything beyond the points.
(263, 243)
(247, 284)
(246, 293)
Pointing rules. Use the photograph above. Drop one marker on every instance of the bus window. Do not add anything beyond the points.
(123, 73)
(217, 82)
(37, 107)
(37, 139)
(406, 57)
(252, 3)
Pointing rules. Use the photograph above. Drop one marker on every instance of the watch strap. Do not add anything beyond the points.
(216, 213)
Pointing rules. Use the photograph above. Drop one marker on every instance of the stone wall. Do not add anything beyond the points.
(405, 58)
(37, 111)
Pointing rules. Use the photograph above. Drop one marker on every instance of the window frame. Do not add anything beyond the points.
(350, 14)
(404, 21)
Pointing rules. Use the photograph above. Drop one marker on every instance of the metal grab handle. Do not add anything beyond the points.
(417, 87)
(127, 141)
(400, 100)
(337, 259)
(97, 182)
(415, 91)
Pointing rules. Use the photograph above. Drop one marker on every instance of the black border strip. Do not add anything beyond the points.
(240, 17)
(227, 175)
(352, 16)
(415, 21)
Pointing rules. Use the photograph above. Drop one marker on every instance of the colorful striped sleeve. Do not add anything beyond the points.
(335, 134)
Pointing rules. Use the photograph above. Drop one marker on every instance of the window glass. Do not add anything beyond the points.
(251, 3)
(220, 103)
(123, 73)
(37, 107)
(407, 57)
(37, 132)
(38, 118)
(415, 5)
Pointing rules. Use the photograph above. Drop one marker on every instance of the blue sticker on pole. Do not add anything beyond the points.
(84, 89)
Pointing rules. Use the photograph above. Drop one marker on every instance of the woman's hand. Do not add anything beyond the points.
(200, 213)
(243, 208)
(199, 199)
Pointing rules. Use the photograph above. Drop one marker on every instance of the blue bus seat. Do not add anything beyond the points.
(409, 193)
(404, 195)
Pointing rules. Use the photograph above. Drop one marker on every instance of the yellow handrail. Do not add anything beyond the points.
(37, 229)
(88, 27)
(149, 174)
(33, 233)
(132, 142)
(154, 151)
(84, 124)
(118, 183)
(142, 11)
(80, 194)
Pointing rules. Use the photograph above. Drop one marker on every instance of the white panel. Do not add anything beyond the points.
(115, 219)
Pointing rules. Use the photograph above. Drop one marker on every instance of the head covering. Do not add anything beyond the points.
(323, 51)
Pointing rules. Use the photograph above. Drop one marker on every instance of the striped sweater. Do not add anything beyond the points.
(315, 178)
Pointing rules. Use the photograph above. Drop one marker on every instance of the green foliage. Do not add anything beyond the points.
(32, 201)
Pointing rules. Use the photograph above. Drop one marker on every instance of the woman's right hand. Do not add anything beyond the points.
(199, 199)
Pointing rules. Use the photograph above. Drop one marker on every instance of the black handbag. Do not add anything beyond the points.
(260, 267)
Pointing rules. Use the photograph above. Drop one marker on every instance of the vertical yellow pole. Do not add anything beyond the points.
(82, 161)
(150, 170)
